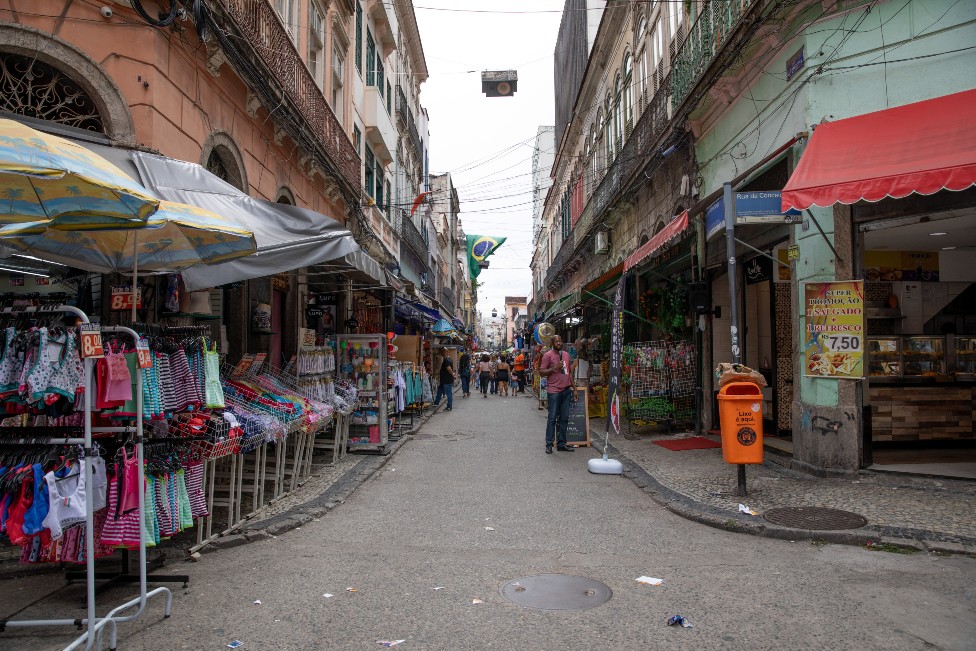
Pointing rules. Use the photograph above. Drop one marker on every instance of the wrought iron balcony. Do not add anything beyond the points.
(269, 44)
(706, 39)
(410, 234)
(406, 115)
(427, 290)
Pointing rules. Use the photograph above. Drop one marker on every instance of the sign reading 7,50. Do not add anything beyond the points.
(842, 342)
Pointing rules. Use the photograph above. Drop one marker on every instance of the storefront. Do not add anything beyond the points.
(908, 233)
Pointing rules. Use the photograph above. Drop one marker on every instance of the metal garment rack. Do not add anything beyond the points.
(97, 625)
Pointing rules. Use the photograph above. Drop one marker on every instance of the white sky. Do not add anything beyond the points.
(476, 138)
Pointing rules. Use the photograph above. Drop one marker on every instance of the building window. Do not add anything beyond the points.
(50, 95)
(608, 128)
(389, 193)
(338, 87)
(380, 75)
(316, 43)
(628, 97)
(389, 98)
(369, 162)
(286, 11)
(618, 114)
(359, 38)
(379, 186)
(370, 59)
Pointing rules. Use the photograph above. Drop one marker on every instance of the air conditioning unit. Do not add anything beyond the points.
(602, 243)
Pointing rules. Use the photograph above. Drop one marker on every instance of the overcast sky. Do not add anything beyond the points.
(487, 143)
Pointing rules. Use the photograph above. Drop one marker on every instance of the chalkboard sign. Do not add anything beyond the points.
(578, 429)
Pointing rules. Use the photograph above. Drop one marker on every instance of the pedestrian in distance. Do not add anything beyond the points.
(446, 385)
(559, 388)
(494, 377)
(519, 367)
(464, 370)
(503, 373)
(484, 374)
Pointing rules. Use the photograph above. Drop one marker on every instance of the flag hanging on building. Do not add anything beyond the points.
(479, 248)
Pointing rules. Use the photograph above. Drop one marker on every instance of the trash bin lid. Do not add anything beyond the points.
(739, 389)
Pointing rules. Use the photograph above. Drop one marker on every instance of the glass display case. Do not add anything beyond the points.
(884, 356)
(362, 359)
(924, 356)
(965, 355)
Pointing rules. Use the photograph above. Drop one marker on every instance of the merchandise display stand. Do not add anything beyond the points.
(362, 360)
(97, 625)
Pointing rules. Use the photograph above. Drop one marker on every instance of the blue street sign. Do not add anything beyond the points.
(758, 207)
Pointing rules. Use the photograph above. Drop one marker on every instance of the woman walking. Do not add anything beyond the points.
(484, 374)
(502, 372)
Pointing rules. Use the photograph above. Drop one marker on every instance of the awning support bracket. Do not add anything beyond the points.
(762, 253)
(822, 234)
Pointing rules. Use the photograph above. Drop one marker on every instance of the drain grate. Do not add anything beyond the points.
(556, 592)
(814, 517)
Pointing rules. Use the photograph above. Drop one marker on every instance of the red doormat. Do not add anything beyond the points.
(693, 443)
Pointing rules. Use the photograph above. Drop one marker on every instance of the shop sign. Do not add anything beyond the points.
(122, 298)
(759, 270)
(16, 280)
(41, 281)
(833, 338)
(894, 266)
(783, 272)
(794, 252)
(795, 64)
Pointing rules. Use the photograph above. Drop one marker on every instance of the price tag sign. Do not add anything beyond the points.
(122, 298)
(243, 365)
(91, 340)
(833, 338)
(143, 356)
(258, 363)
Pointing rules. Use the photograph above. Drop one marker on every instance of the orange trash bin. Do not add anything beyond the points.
(740, 415)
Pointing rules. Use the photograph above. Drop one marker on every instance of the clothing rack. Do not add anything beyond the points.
(97, 625)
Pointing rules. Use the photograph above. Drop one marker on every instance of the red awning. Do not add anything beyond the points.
(663, 236)
(918, 148)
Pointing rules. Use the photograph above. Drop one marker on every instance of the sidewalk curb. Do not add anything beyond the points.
(740, 523)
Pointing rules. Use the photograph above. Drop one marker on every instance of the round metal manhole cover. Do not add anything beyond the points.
(814, 517)
(556, 592)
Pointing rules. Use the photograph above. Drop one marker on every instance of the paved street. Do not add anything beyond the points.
(422, 523)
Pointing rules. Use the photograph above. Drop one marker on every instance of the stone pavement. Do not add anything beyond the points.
(911, 512)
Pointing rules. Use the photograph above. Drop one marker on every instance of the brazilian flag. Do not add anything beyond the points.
(479, 248)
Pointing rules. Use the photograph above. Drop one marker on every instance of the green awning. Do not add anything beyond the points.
(563, 304)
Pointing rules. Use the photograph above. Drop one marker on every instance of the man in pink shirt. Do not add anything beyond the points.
(559, 385)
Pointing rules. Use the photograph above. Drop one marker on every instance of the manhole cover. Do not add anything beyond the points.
(556, 592)
(815, 517)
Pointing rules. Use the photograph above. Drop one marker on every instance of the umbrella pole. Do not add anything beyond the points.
(135, 271)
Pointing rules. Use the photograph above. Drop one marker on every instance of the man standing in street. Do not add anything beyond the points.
(446, 385)
(559, 384)
(519, 367)
(464, 369)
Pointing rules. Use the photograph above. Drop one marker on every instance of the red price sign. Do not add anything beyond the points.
(122, 298)
(91, 341)
(143, 356)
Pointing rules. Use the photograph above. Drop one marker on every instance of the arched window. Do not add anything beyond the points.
(36, 89)
(223, 159)
(628, 96)
(608, 128)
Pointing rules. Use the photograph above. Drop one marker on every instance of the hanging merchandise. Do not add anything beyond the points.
(214, 393)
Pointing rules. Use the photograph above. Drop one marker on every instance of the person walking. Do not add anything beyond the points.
(446, 385)
(503, 373)
(464, 370)
(559, 386)
(519, 367)
(484, 374)
(494, 377)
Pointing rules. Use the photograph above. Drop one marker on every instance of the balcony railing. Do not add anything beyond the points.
(447, 300)
(427, 290)
(705, 40)
(262, 29)
(405, 114)
(411, 235)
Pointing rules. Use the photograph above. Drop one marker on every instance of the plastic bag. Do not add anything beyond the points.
(726, 373)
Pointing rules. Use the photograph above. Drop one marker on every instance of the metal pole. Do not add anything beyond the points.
(729, 199)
